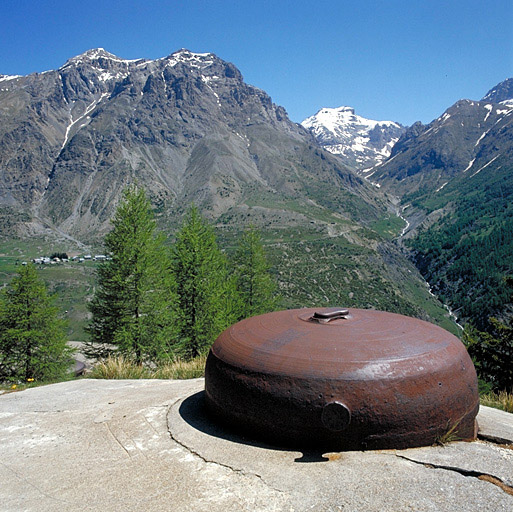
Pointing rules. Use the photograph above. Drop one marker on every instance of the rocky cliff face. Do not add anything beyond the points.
(186, 127)
(466, 137)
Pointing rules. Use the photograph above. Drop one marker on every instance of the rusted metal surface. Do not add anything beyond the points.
(356, 379)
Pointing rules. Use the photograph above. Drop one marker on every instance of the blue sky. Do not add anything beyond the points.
(403, 60)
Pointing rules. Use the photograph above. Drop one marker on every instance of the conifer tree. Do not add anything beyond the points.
(207, 299)
(255, 285)
(134, 301)
(32, 337)
(492, 353)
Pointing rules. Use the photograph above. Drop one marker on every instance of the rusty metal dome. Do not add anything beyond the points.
(339, 379)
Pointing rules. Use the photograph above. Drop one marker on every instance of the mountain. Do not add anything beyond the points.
(361, 143)
(458, 143)
(502, 92)
(188, 129)
(454, 178)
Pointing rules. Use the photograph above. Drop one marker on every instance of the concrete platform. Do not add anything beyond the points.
(147, 445)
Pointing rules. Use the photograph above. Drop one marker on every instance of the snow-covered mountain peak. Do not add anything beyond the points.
(94, 55)
(97, 53)
(105, 65)
(334, 120)
(501, 92)
(342, 111)
(199, 60)
(361, 142)
(187, 54)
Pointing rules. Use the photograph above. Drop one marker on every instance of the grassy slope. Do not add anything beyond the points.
(324, 260)
(328, 264)
(72, 283)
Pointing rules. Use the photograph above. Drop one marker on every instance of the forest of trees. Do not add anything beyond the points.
(492, 353)
(467, 256)
(157, 301)
(468, 260)
(154, 302)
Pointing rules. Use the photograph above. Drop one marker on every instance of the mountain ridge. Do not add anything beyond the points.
(178, 101)
(427, 157)
(503, 91)
(454, 183)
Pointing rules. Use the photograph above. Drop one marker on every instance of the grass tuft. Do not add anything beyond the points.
(449, 436)
(499, 400)
(119, 367)
(182, 369)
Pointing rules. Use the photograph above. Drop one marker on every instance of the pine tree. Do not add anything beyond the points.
(32, 337)
(254, 283)
(492, 353)
(207, 299)
(133, 305)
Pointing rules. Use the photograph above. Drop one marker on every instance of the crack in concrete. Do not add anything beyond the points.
(208, 461)
(117, 440)
(486, 477)
(500, 441)
(151, 426)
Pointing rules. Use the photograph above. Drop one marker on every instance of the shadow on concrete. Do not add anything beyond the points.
(194, 412)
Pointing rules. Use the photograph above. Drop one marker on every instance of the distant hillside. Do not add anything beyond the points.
(427, 157)
(454, 178)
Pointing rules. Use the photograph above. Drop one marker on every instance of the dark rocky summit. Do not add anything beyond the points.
(501, 92)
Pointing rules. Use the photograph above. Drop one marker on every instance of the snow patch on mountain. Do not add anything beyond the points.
(195, 60)
(90, 56)
(470, 164)
(481, 138)
(361, 142)
(83, 116)
(485, 166)
(489, 108)
(4, 78)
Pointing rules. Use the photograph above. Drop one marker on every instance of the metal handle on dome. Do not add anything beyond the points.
(323, 317)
